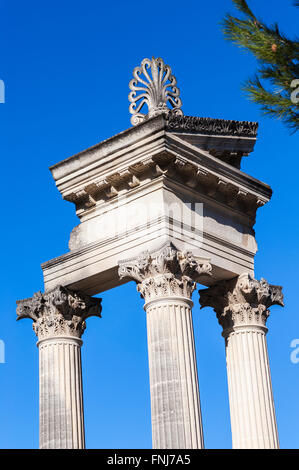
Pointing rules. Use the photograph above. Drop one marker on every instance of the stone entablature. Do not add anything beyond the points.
(154, 164)
(236, 193)
(168, 160)
(242, 301)
(122, 162)
(60, 312)
(165, 272)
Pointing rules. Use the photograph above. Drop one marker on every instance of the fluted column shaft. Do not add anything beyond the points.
(242, 308)
(59, 322)
(175, 403)
(166, 279)
(253, 421)
(61, 394)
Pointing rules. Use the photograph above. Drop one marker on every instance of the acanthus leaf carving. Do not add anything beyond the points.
(241, 301)
(59, 312)
(165, 272)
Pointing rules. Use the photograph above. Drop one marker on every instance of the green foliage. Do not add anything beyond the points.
(278, 63)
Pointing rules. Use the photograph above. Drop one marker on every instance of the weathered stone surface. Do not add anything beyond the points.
(172, 182)
(60, 312)
(242, 308)
(115, 183)
(165, 272)
(166, 279)
(153, 86)
(242, 301)
(158, 150)
(61, 413)
(59, 322)
(210, 126)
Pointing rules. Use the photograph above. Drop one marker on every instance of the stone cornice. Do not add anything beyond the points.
(122, 162)
(242, 301)
(164, 272)
(181, 148)
(59, 312)
(238, 192)
(211, 126)
(205, 126)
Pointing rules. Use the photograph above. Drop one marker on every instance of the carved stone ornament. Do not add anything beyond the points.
(165, 272)
(242, 301)
(211, 126)
(60, 312)
(178, 168)
(155, 86)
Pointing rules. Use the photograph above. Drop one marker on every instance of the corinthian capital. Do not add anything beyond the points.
(60, 312)
(165, 272)
(242, 301)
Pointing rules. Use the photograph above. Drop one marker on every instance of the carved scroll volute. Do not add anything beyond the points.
(60, 312)
(153, 85)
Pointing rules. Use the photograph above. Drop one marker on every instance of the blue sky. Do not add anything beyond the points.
(66, 66)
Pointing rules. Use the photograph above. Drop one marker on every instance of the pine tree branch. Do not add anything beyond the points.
(278, 59)
(244, 8)
(274, 105)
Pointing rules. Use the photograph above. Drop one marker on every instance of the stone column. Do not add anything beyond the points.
(166, 279)
(59, 321)
(242, 308)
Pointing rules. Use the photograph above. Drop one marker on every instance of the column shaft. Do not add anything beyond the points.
(242, 308)
(253, 421)
(166, 279)
(61, 397)
(59, 320)
(175, 404)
